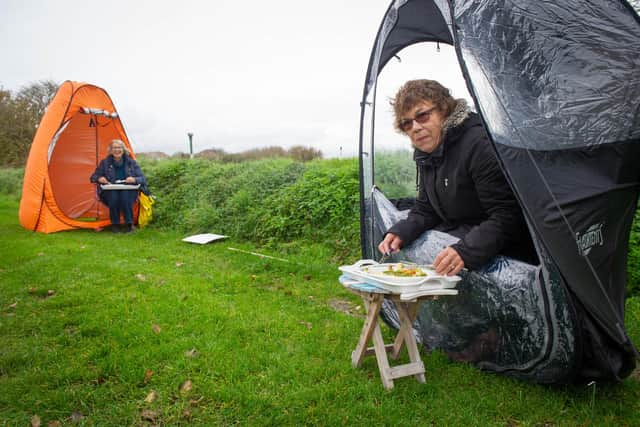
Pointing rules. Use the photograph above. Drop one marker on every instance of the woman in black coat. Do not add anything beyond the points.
(119, 168)
(461, 188)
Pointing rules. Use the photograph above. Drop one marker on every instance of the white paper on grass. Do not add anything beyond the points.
(203, 239)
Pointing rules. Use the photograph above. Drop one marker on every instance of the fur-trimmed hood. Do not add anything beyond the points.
(459, 114)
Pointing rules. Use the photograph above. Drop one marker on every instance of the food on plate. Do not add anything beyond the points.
(400, 270)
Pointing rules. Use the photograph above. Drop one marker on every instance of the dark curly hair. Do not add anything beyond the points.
(415, 91)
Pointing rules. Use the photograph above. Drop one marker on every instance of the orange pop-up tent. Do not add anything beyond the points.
(72, 138)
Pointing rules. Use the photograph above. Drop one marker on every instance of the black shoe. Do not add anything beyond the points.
(129, 228)
(115, 228)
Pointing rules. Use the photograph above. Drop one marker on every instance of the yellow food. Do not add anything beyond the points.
(400, 270)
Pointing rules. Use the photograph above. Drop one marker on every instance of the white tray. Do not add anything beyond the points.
(120, 186)
(370, 271)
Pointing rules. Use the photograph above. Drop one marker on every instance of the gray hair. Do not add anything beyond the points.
(119, 141)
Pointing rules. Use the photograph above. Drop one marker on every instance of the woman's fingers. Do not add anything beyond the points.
(390, 244)
(383, 247)
(448, 262)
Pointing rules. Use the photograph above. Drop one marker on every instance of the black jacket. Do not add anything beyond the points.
(463, 192)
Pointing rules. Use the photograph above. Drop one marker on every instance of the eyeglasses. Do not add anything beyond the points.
(421, 117)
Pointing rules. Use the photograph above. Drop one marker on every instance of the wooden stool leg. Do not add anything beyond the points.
(412, 311)
(372, 304)
(381, 357)
(407, 316)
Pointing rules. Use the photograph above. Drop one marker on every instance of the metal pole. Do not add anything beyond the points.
(190, 144)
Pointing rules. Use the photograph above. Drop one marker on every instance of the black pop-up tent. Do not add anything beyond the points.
(557, 85)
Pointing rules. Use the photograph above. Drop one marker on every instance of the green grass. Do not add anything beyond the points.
(270, 348)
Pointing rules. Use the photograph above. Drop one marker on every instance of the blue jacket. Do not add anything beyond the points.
(131, 168)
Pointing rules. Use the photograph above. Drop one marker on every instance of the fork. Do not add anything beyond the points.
(384, 256)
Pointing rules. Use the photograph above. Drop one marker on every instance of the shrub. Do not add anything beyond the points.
(269, 201)
(633, 260)
(11, 181)
(323, 205)
(395, 173)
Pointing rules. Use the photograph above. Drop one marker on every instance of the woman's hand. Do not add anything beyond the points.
(448, 262)
(390, 244)
(130, 180)
(103, 180)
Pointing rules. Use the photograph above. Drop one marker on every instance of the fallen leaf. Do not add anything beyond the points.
(156, 329)
(151, 397)
(141, 277)
(148, 415)
(76, 417)
(186, 386)
(186, 414)
(193, 353)
(254, 277)
(179, 264)
(35, 421)
(147, 375)
(40, 253)
(14, 305)
(33, 290)
(307, 324)
(51, 293)
(54, 423)
(100, 380)
(195, 402)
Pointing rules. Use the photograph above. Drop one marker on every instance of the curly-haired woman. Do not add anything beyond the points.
(461, 188)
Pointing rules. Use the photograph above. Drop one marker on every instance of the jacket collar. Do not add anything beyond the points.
(429, 159)
(452, 124)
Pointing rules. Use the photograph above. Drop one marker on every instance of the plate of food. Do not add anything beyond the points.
(399, 276)
(398, 272)
(120, 186)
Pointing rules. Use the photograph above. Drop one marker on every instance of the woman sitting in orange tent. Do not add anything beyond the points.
(119, 168)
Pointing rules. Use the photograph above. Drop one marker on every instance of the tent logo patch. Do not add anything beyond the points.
(590, 238)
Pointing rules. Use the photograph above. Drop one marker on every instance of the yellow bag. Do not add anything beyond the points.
(146, 210)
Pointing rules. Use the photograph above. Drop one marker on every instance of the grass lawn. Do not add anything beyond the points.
(143, 329)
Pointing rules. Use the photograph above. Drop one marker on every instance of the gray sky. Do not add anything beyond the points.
(238, 74)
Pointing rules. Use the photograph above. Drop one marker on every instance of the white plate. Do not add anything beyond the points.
(120, 186)
(381, 270)
(370, 271)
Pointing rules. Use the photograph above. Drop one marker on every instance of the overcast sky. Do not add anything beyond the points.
(238, 74)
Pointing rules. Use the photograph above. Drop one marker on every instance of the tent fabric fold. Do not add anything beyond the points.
(557, 88)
